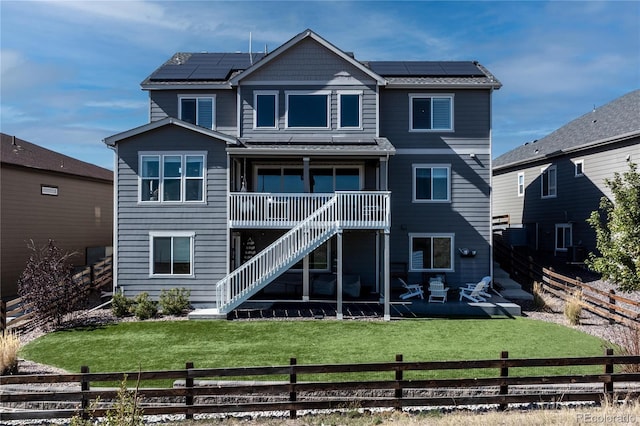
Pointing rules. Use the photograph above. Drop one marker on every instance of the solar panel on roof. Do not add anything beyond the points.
(461, 68)
(424, 68)
(173, 72)
(388, 68)
(204, 72)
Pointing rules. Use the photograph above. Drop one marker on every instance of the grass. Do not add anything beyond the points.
(169, 344)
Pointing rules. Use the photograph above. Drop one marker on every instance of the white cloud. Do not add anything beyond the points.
(118, 104)
(12, 114)
(130, 12)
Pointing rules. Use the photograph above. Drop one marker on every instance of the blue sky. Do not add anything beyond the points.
(71, 70)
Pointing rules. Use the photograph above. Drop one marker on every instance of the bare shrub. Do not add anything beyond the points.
(629, 344)
(47, 283)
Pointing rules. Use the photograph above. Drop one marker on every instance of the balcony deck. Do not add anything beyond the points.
(354, 209)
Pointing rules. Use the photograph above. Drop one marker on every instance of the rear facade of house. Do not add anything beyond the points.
(304, 174)
(549, 187)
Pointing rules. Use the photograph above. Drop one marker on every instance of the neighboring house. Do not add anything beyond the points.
(280, 174)
(46, 195)
(550, 186)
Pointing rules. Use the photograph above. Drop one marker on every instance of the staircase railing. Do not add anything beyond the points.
(267, 265)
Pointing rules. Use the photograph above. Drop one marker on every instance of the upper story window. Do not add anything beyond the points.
(172, 177)
(198, 110)
(520, 184)
(430, 112)
(431, 183)
(350, 108)
(579, 168)
(265, 110)
(308, 109)
(548, 182)
(328, 179)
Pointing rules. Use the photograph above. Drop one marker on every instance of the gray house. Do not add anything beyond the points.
(304, 174)
(550, 186)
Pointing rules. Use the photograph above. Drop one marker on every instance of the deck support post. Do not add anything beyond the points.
(386, 277)
(305, 279)
(339, 314)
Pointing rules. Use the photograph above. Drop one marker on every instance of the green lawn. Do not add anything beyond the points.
(168, 345)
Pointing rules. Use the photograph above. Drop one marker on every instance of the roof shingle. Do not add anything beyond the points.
(619, 118)
(22, 153)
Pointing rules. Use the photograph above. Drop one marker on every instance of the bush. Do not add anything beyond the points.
(9, 346)
(121, 306)
(125, 410)
(629, 344)
(174, 301)
(145, 308)
(539, 302)
(573, 308)
(47, 283)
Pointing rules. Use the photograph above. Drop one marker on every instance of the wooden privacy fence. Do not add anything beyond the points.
(17, 313)
(605, 304)
(22, 399)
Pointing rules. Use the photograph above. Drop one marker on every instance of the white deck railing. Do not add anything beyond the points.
(365, 210)
(264, 210)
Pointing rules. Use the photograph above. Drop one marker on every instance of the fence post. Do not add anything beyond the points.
(612, 310)
(532, 278)
(84, 387)
(293, 378)
(608, 371)
(188, 385)
(512, 262)
(3, 316)
(398, 391)
(504, 372)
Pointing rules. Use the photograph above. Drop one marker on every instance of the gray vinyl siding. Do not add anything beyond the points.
(368, 111)
(164, 103)
(471, 119)
(467, 215)
(576, 197)
(308, 61)
(208, 220)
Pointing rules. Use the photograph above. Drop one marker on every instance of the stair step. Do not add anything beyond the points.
(516, 294)
(206, 314)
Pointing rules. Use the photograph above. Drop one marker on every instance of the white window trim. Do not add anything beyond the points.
(520, 192)
(567, 244)
(257, 93)
(581, 162)
(430, 166)
(183, 179)
(553, 189)
(431, 96)
(339, 94)
(189, 234)
(200, 96)
(288, 93)
(432, 235)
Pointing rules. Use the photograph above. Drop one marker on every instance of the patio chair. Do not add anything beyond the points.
(411, 290)
(487, 286)
(476, 292)
(437, 291)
